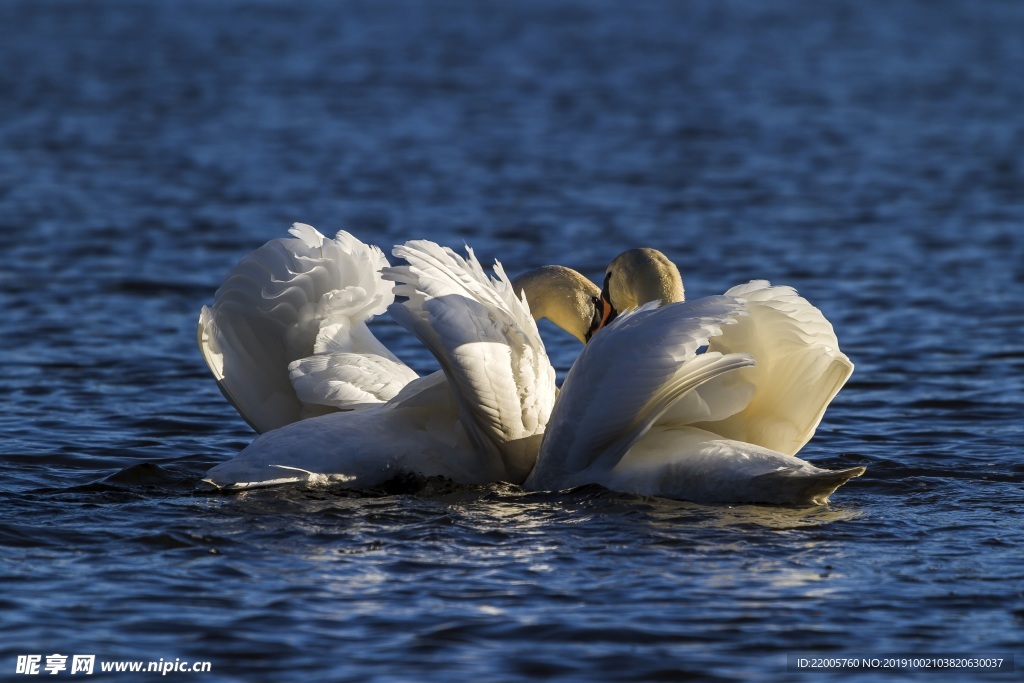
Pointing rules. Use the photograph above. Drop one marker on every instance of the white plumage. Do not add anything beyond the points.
(272, 335)
(480, 421)
(488, 346)
(705, 401)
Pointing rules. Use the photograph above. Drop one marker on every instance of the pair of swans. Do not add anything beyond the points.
(704, 400)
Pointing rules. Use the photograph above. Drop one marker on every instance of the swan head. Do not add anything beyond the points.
(563, 296)
(636, 277)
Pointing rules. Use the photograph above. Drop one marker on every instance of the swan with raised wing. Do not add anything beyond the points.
(287, 338)
(705, 401)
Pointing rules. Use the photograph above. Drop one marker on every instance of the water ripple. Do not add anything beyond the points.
(862, 154)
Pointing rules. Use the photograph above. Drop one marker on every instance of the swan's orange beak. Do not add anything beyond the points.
(604, 312)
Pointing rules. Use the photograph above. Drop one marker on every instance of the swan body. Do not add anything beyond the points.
(479, 420)
(419, 433)
(707, 400)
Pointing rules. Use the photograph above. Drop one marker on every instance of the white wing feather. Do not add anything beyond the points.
(348, 381)
(625, 379)
(799, 368)
(487, 344)
(288, 300)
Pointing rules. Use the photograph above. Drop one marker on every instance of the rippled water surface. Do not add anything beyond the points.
(868, 154)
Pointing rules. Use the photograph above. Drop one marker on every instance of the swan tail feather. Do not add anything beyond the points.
(803, 488)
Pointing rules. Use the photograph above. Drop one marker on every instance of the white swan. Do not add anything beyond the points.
(480, 421)
(705, 401)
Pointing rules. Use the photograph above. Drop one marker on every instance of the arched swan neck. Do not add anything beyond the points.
(562, 295)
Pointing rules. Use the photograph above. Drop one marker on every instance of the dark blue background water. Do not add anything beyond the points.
(868, 153)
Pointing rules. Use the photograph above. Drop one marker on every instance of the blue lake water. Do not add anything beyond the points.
(868, 154)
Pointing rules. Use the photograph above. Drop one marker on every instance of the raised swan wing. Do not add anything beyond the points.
(488, 346)
(799, 368)
(282, 322)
